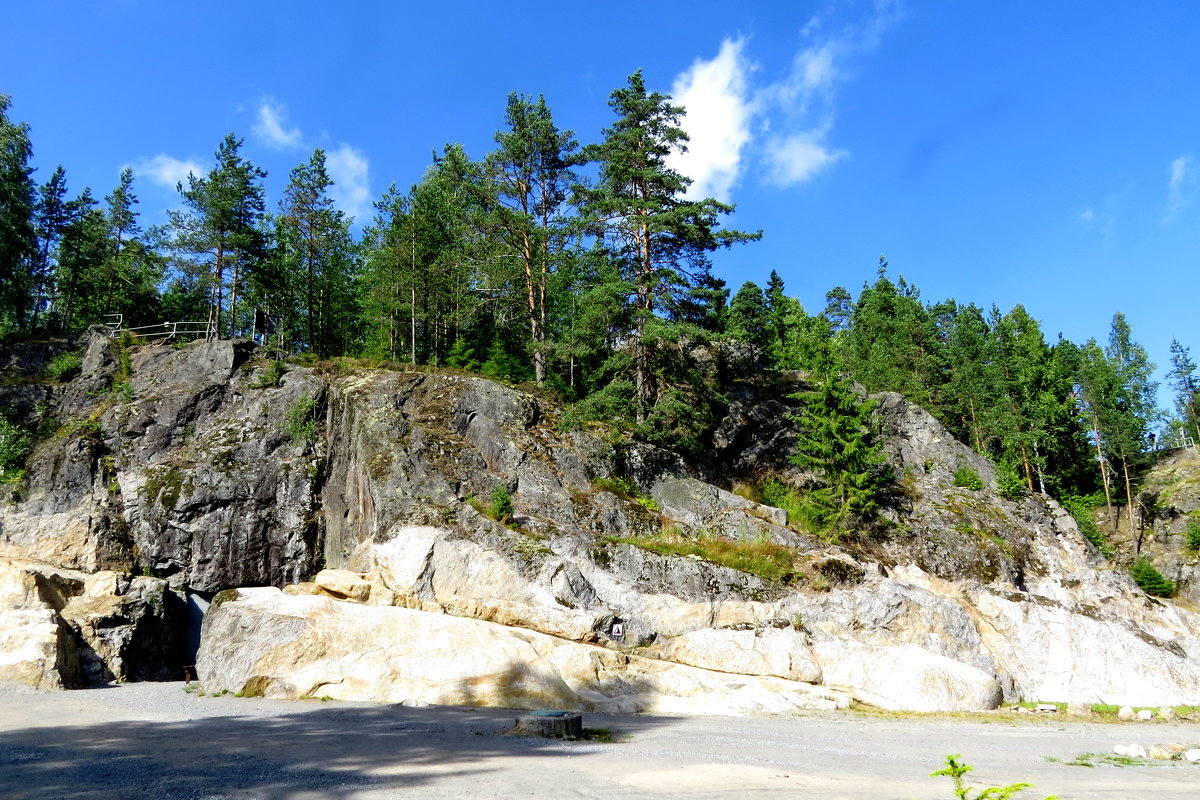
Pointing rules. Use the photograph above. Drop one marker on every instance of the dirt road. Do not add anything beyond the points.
(158, 741)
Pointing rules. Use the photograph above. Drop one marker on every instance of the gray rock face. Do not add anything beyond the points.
(369, 492)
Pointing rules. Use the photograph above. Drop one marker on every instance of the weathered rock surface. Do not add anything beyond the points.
(63, 628)
(204, 468)
(262, 641)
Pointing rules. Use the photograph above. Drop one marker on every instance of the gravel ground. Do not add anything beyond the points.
(154, 740)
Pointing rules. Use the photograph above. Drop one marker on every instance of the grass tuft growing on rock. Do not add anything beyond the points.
(767, 560)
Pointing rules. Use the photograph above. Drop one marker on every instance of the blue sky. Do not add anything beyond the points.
(1041, 153)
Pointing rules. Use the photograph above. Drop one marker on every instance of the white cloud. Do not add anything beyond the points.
(718, 120)
(1178, 183)
(797, 158)
(270, 127)
(1087, 215)
(799, 108)
(349, 170)
(167, 170)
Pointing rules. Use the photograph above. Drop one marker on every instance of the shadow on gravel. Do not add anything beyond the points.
(333, 752)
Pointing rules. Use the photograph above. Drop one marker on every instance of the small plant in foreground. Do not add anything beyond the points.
(955, 770)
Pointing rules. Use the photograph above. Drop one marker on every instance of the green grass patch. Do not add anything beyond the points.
(627, 490)
(767, 560)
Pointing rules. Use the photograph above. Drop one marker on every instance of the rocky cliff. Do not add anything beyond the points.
(361, 503)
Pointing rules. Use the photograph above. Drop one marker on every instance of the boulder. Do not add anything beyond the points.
(342, 584)
(905, 677)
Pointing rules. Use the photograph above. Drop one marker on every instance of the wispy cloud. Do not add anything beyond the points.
(801, 106)
(719, 113)
(1087, 215)
(271, 127)
(798, 157)
(1180, 178)
(167, 170)
(785, 125)
(349, 170)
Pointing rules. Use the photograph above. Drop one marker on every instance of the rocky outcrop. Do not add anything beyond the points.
(261, 641)
(365, 496)
(64, 628)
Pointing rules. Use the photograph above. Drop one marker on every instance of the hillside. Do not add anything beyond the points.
(419, 536)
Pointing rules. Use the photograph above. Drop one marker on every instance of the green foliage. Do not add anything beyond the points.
(765, 559)
(1080, 508)
(627, 490)
(1009, 483)
(967, 478)
(502, 505)
(956, 770)
(1149, 579)
(15, 446)
(462, 356)
(302, 420)
(272, 376)
(64, 366)
(836, 440)
(777, 494)
(1192, 535)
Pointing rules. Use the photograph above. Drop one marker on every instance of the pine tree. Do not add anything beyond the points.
(219, 235)
(1187, 388)
(749, 318)
(17, 236)
(50, 220)
(531, 179)
(659, 240)
(317, 262)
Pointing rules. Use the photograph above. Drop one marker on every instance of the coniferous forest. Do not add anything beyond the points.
(582, 269)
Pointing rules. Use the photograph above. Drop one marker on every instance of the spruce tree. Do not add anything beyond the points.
(836, 440)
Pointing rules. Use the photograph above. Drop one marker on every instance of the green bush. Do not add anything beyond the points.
(967, 478)
(1149, 579)
(1010, 483)
(627, 490)
(64, 367)
(1192, 535)
(302, 420)
(271, 376)
(15, 446)
(502, 505)
(1080, 508)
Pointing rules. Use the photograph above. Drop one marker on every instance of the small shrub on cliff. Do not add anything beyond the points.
(967, 478)
(1080, 508)
(627, 490)
(1010, 484)
(1150, 580)
(502, 505)
(272, 376)
(1192, 535)
(64, 367)
(302, 420)
(15, 446)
